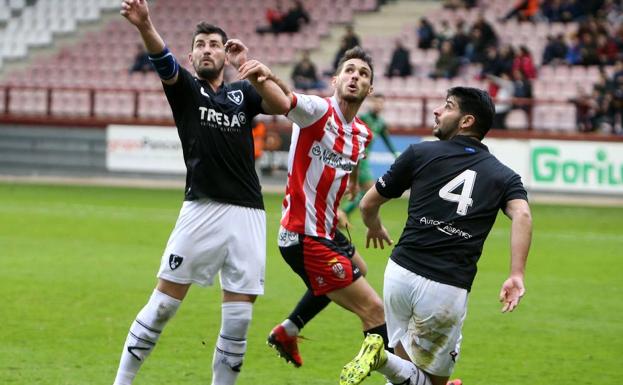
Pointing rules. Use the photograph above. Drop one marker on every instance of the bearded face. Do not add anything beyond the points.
(208, 55)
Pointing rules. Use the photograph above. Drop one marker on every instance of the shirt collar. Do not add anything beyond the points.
(469, 142)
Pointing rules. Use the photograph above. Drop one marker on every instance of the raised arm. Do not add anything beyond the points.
(370, 205)
(513, 288)
(137, 13)
(275, 101)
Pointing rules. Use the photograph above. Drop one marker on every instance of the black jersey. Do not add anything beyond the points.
(457, 188)
(215, 131)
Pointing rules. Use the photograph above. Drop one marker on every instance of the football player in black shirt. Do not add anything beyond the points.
(221, 229)
(457, 188)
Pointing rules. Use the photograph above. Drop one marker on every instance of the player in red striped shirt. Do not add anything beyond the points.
(328, 140)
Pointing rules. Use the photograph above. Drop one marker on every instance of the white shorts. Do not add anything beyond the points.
(425, 316)
(212, 237)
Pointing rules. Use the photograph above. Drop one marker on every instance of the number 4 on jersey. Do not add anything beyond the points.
(467, 179)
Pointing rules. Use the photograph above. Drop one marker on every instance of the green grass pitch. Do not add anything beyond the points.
(77, 264)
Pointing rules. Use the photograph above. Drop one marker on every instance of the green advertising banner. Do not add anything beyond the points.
(595, 167)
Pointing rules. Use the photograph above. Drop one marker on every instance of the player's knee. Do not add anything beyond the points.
(236, 318)
(165, 312)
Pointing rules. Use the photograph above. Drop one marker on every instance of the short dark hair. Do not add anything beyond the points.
(477, 103)
(356, 53)
(208, 28)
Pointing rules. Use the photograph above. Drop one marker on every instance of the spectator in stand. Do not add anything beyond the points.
(524, 63)
(488, 34)
(506, 54)
(425, 34)
(295, 18)
(274, 18)
(604, 84)
(448, 64)
(585, 109)
(351, 39)
(141, 61)
(555, 50)
(476, 50)
(570, 11)
(304, 75)
(445, 32)
(503, 98)
(400, 65)
(593, 27)
(524, 10)
(588, 50)
(604, 117)
(460, 40)
(552, 10)
(603, 93)
(523, 90)
(481, 37)
(574, 51)
(590, 7)
(492, 64)
(607, 50)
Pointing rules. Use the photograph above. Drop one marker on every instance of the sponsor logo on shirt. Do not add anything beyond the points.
(224, 122)
(330, 157)
(446, 228)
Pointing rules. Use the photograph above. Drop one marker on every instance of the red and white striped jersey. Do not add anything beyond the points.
(323, 152)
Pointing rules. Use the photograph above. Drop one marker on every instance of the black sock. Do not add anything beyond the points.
(382, 331)
(307, 308)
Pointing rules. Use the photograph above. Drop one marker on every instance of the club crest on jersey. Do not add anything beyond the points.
(175, 261)
(338, 271)
(236, 96)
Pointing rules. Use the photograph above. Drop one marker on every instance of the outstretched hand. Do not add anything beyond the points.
(254, 71)
(378, 237)
(136, 11)
(236, 53)
(512, 291)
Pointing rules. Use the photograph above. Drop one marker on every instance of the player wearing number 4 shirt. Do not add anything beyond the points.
(457, 188)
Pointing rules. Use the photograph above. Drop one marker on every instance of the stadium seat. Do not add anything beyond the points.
(28, 102)
(517, 120)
